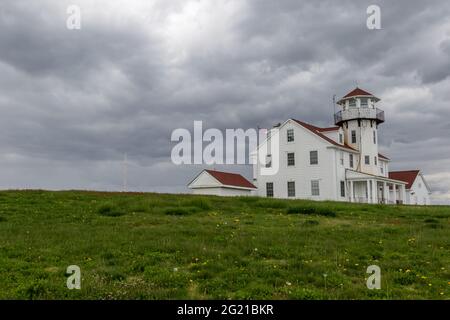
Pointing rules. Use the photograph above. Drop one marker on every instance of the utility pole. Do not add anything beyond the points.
(125, 172)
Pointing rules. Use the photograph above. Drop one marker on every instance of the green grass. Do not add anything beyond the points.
(159, 246)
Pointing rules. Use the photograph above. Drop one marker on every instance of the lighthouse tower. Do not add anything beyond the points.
(359, 119)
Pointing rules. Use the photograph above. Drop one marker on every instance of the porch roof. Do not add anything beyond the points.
(356, 175)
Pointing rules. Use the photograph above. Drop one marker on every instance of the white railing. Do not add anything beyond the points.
(359, 113)
(361, 200)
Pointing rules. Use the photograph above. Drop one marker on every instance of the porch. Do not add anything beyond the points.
(365, 188)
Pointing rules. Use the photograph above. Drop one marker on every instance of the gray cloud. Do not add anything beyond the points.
(73, 102)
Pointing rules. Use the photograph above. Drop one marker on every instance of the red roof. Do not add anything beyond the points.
(406, 176)
(328, 129)
(358, 92)
(318, 131)
(231, 179)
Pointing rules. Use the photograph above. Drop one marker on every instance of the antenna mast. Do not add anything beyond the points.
(334, 104)
(125, 172)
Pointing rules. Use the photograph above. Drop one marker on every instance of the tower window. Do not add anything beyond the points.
(364, 103)
(291, 159)
(353, 136)
(291, 188)
(313, 157)
(374, 137)
(269, 189)
(367, 159)
(352, 103)
(290, 135)
(375, 160)
(342, 158)
(351, 160)
(340, 138)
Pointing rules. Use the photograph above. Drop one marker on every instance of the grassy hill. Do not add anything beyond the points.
(155, 246)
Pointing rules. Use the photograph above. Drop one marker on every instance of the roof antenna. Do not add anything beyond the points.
(334, 103)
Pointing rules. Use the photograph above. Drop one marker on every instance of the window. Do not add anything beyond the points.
(374, 137)
(290, 135)
(291, 159)
(367, 159)
(269, 189)
(364, 103)
(353, 136)
(343, 189)
(269, 161)
(375, 160)
(291, 188)
(340, 138)
(315, 191)
(381, 169)
(352, 103)
(313, 157)
(342, 158)
(351, 160)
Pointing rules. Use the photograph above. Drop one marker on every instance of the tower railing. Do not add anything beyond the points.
(359, 113)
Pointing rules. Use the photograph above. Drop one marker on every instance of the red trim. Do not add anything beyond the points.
(383, 157)
(358, 92)
(328, 129)
(231, 179)
(408, 176)
(317, 131)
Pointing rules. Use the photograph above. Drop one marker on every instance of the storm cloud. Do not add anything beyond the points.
(73, 102)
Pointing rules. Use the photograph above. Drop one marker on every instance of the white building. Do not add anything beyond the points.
(417, 188)
(219, 183)
(340, 163)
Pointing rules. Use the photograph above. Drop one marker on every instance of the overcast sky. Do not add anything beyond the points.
(74, 101)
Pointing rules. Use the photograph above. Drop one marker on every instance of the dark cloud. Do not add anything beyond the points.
(73, 102)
